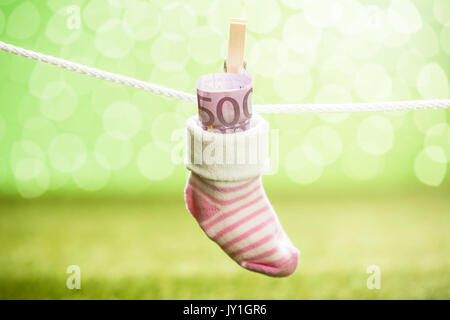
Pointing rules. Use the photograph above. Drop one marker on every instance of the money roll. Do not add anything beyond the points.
(225, 101)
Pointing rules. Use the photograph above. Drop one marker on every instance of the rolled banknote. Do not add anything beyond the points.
(225, 101)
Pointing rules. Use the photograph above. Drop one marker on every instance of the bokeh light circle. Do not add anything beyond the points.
(400, 91)
(398, 118)
(299, 168)
(268, 49)
(67, 152)
(169, 51)
(425, 119)
(436, 153)
(432, 82)
(141, 52)
(59, 101)
(338, 69)
(155, 162)
(263, 15)
(220, 13)
(143, 19)
(151, 106)
(373, 83)
(105, 94)
(25, 149)
(441, 9)
(360, 47)
(301, 36)
(439, 136)
(294, 4)
(32, 177)
(376, 135)
(404, 16)
(326, 142)
(27, 169)
(445, 39)
(408, 66)
(296, 62)
(352, 19)
(205, 45)
(200, 7)
(41, 76)
(122, 120)
(113, 39)
(179, 18)
(81, 49)
(425, 42)
(23, 22)
(91, 175)
(322, 13)
(293, 87)
(57, 30)
(376, 26)
(395, 39)
(427, 170)
(96, 12)
(112, 153)
(39, 129)
(27, 106)
(164, 125)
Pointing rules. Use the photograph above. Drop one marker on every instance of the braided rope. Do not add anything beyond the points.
(353, 107)
(99, 74)
(266, 108)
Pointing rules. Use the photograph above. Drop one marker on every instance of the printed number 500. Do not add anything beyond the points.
(219, 110)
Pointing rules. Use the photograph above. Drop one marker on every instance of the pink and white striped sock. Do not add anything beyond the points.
(230, 205)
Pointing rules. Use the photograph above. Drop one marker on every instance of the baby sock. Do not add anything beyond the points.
(225, 195)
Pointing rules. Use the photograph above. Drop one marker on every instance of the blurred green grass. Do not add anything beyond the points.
(153, 249)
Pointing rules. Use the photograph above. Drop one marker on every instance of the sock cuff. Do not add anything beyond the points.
(227, 157)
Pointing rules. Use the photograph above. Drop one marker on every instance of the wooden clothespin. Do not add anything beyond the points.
(236, 45)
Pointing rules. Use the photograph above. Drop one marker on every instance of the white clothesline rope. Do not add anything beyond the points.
(96, 73)
(265, 108)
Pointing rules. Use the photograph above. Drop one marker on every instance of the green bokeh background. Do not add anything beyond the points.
(66, 136)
